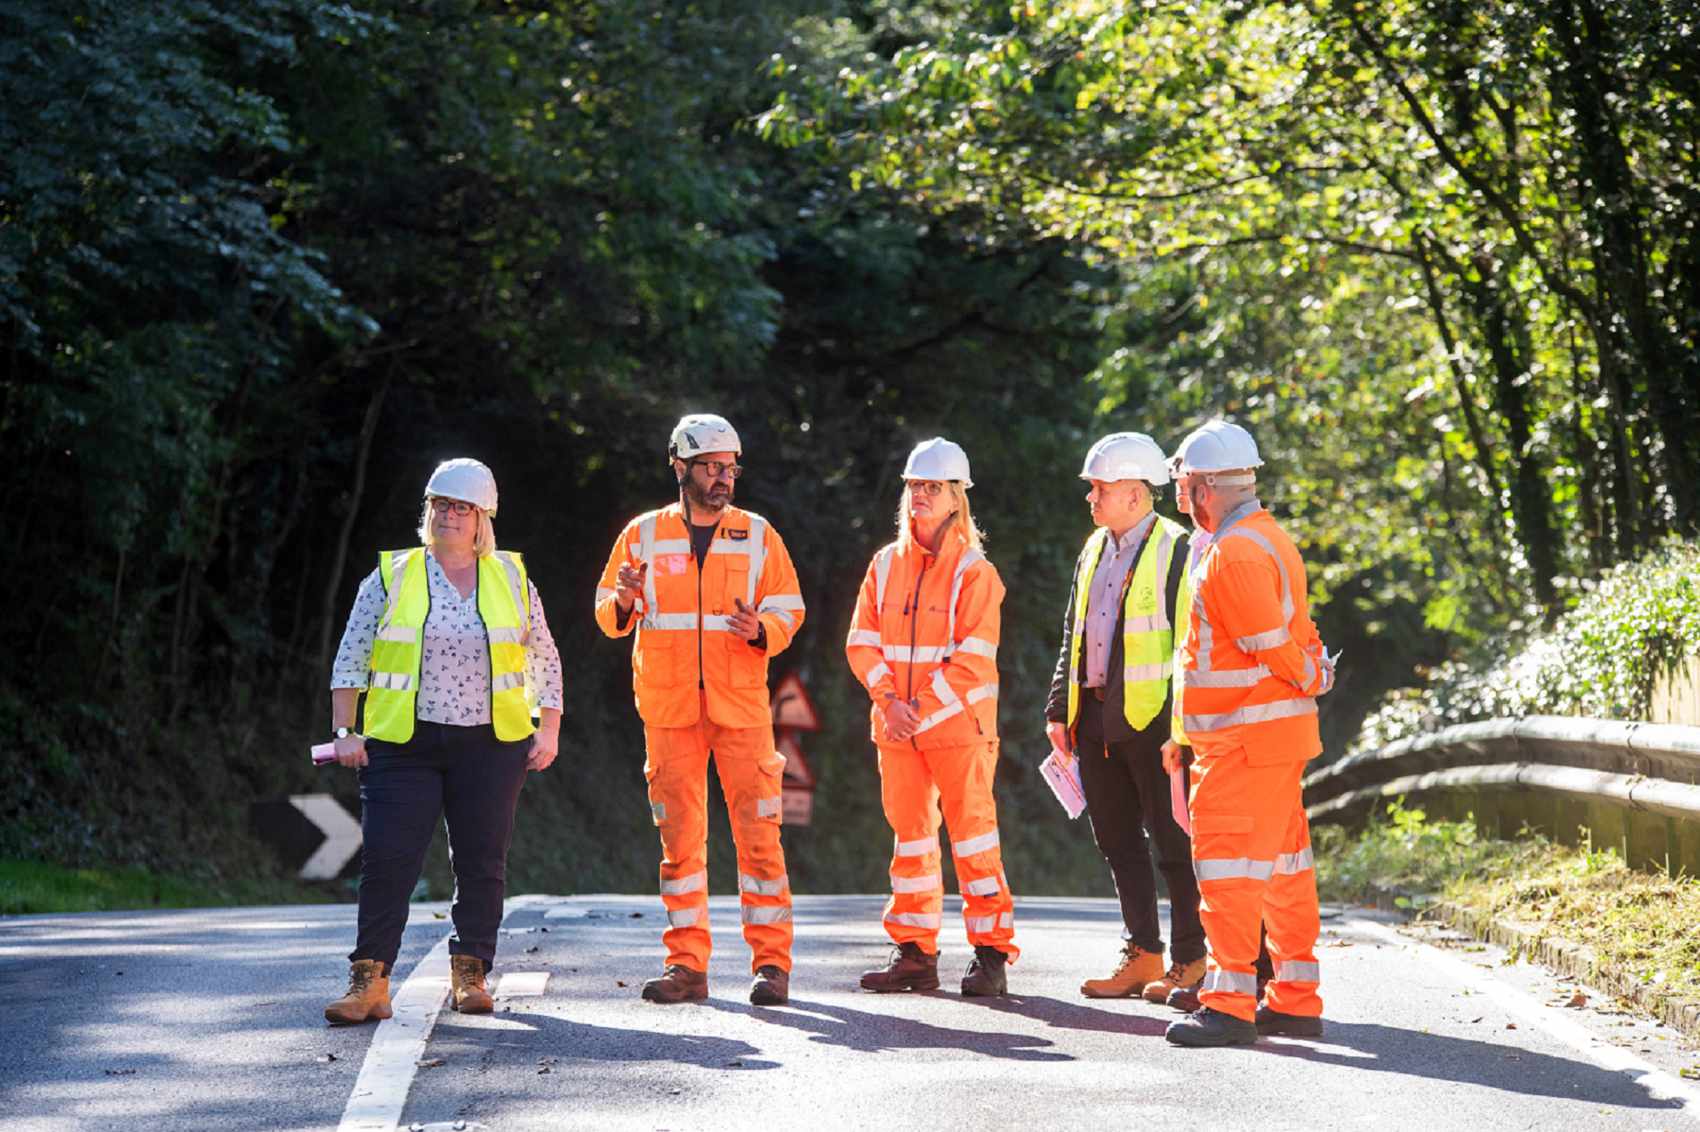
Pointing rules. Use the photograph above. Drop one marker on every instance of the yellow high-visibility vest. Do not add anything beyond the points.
(1147, 634)
(504, 605)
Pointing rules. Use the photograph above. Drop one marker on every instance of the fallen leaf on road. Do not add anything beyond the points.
(430, 1062)
(439, 915)
(542, 1069)
(637, 915)
(1511, 1025)
(327, 1058)
(533, 949)
(1473, 1021)
(619, 982)
(1577, 1001)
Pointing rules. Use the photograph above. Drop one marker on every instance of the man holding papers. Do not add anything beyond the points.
(1109, 709)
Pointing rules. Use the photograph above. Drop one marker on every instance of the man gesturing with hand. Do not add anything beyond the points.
(711, 594)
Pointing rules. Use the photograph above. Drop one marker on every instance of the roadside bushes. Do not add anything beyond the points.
(1600, 659)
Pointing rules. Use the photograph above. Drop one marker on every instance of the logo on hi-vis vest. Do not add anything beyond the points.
(736, 536)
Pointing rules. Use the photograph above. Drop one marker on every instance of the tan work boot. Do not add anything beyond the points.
(1179, 975)
(910, 968)
(466, 985)
(677, 984)
(1137, 967)
(368, 996)
(770, 987)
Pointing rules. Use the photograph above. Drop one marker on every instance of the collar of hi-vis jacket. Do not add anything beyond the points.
(651, 542)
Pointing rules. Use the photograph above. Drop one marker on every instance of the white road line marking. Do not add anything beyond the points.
(380, 1092)
(518, 984)
(1656, 1081)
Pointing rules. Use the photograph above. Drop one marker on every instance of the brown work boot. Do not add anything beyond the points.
(985, 977)
(910, 968)
(770, 987)
(466, 985)
(1179, 975)
(1137, 968)
(368, 994)
(676, 984)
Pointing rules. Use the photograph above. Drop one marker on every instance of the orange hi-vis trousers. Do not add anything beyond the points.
(750, 771)
(914, 785)
(1251, 850)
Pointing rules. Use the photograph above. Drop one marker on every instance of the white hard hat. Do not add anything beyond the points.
(1217, 446)
(702, 432)
(1126, 456)
(464, 479)
(938, 459)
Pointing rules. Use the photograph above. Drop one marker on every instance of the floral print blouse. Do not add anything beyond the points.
(454, 672)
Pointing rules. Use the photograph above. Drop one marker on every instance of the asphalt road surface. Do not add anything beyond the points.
(211, 1020)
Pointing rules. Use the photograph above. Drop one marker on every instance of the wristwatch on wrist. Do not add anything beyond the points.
(343, 732)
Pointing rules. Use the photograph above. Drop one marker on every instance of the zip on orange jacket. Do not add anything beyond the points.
(700, 688)
(926, 631)
(1253, 666)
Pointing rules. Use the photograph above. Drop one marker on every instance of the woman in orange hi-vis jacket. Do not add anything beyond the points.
(925, 644)
(1251, 666)
(712, 594)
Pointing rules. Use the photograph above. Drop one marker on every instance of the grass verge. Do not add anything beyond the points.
(32, 886)
(1632, 930)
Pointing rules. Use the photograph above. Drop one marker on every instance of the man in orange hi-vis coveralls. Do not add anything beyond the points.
(1251, 666)
(925, 643)
(712, 594)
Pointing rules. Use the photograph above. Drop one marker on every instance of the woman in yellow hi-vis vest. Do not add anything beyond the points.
(449, 644)
(1109, 707)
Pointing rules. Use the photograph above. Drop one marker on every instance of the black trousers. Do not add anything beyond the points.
(1127, 797)
(470, 779)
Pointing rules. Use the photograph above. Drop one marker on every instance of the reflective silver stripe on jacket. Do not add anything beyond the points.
(918, 848)
(983, 924)
(1274, 638)
(776, 914)
(1289, 864)
(882, 571)
(928, 882)
(969, 846)
(983, 692)
(508, 680)
(982, 886)
(769, 807)
(868, 637)
(1232, 982)
(670, 620)
(1136, 673)
(392, 681)
(668, 546)
(1291, 971)
(968, 559)
(951, 705)
(758, 557)
(502, 636)
(1164, 551)
(916, 654)
(759, 887)
(1256, 713)
(979, 646)
(1233, 868)
(1228, 677)
(603, 593)
(914, 919)
(392, 590)
(681, 885)
(404, 634)
(522, 600)
(877, 673)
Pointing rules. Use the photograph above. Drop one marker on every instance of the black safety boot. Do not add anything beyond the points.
(984, 977)
(1207, 1027)
(1292, 1025)
(910, 968)
(770, 987)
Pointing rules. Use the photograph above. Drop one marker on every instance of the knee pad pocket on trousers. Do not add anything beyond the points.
(1211, 831)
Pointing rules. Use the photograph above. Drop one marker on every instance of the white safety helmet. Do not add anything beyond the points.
(1126, 456)
(464, 479)
(1215, 447)
(702, 432)
(938, 459)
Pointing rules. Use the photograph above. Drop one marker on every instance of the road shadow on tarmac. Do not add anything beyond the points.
(1373, 1048)
(869, 1032)
(1074, 1016)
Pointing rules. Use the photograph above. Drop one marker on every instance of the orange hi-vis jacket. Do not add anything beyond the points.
(926, 630)
(684, 640)
(1251, 659)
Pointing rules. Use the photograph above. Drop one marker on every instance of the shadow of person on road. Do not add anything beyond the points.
(1375, 1048)
(869, 1032)
(1074, 1016)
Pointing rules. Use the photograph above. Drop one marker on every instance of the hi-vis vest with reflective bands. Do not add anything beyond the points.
(927, 628)
(1183, 610)
(1254, 663)
(1148, 642)
(685, 643)
(504, 605)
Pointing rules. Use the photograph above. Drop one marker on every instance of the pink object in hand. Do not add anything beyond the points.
(1177, 800)
(323, 753)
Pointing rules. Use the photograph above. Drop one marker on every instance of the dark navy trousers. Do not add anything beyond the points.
(470, 779)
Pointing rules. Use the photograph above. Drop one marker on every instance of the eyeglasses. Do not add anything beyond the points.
(931, 487)
(718, 468)
(457, 506)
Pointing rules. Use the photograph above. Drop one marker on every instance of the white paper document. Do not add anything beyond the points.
(1062, 775)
